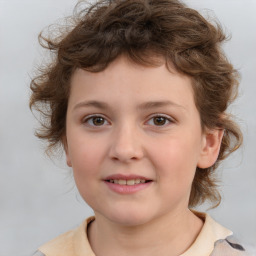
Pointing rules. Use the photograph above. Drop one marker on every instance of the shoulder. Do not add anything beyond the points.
(38, 253)
(71, 243)
(62, 244)
(229, 246)
(215, 240)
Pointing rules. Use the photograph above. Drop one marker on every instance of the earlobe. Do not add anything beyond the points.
(68, 161)
(65, 145)
(210, 148)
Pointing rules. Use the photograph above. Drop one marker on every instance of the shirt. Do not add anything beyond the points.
(213, 240)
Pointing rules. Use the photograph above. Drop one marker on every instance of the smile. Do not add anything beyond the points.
(130, 182)
(127, 185)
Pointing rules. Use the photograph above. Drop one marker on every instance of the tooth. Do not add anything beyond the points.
(130, 182)
(122, 182)
(137, 181)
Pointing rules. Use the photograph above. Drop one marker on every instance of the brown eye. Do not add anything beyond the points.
(159, 120)
(95, 121)
(98, 120)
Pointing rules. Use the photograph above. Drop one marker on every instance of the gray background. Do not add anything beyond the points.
(37, 195)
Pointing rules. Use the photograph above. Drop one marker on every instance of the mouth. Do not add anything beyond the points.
(128, 182)
(124, 184)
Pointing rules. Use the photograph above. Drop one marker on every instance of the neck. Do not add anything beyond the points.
(170, 234)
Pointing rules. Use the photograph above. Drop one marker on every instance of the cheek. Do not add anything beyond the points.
(176, 160)
(85, 156)
(85, 159)
(86, 165)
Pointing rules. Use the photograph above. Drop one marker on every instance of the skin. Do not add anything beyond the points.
(129, 139)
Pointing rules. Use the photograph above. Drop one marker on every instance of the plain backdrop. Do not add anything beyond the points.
(37, 195)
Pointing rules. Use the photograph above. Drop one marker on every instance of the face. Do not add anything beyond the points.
(134, 140)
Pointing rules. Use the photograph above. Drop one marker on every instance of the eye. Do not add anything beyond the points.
(160, 120)
(95, 121)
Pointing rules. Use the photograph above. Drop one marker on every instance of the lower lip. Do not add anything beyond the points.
(126, 189)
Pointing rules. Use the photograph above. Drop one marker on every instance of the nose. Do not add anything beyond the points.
(126, 144)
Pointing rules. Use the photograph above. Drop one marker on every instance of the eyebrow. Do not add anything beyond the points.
(158, 104)
(143, 106)
(92, 103)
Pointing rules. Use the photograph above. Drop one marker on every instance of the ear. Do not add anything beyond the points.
(210, 147)
(65, 145)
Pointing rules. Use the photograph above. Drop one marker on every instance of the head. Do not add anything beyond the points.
(148, 33)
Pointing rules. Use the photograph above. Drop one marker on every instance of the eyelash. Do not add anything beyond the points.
(91, 117)
(166, 119)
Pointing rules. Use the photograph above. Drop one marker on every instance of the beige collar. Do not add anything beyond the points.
(75, 242)
(210, 233)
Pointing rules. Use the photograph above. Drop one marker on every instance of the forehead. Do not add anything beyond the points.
(124, 81)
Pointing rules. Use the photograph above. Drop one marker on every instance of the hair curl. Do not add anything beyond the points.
(141, 29)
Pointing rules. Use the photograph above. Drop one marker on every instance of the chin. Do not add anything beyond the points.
(130, 218)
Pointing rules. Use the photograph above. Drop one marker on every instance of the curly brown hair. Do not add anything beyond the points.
(140, 30)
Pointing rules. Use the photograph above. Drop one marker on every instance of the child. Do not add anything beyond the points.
(137, 97)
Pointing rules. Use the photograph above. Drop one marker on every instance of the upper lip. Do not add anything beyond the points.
(126, 177)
